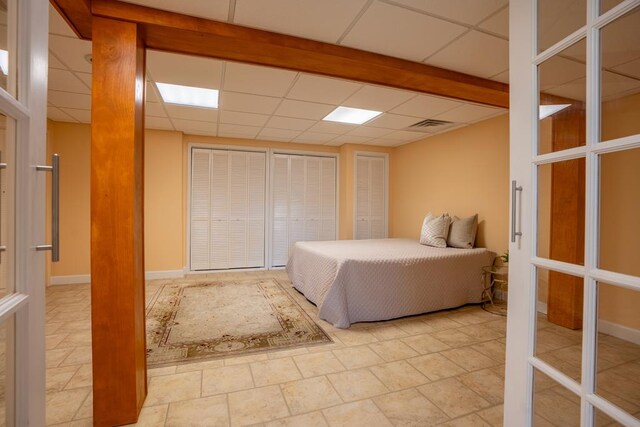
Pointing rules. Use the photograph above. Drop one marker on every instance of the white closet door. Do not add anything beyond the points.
(200, 209)
(312, 199)
(219, 236)
(256, 209)
(296, 200)
(362, 198)
(238, 206)
(280, 190)
(328, 199)
(370, 194)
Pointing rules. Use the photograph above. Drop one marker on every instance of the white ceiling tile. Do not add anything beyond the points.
(278, 133)
(333, 143)
(246, 119)
(631, 68)
(83, 116)
(85, 77)
(322, 89)
(349, 139)
(257, 80)
(66, 81)
(378, 98)
(474, 53)
(498, 23)
(425, 106)
(620, 40)
(69, 100)
(395, 31)
(558, 71)
(370, 132)
(466, 11)
(385, 142)
(158, 123)
(191, 113)
(154, 109)
(402, 135)
(277, 122)
(57, 25)
(184, 70)
(314, 137)
(58, 115)
(324, 20)
(151, 95)
(238, 131)
(242, 102)
(502, 77)
(392, 121)
(218, 10)
(196, 128)
(303, 110)
(55, 63)
(558, 19)
(468, 113)
(332, 127)
(71, 52)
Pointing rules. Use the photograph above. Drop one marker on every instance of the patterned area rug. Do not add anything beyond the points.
(191, 321)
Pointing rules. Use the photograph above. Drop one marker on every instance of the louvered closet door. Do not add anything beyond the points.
(328, 199)
(200, 208)
(370, 198)
(280, 191)
(362, 198)
(219, 235)
(256, 175)
(296, 200)
(312, 199)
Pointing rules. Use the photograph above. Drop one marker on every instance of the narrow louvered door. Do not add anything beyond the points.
(256, 189)
(370, 220)
(312, 199)
(328, 223)
(200, 208)
(280, 210)
(296, 200)
(219, 222)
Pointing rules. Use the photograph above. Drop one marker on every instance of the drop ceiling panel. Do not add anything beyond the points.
(393, 121)
(217, 10)
(370, 132)
(468, 113)
(248, 119)
(85, 77)
(71, 51)
(349, 139)
(57, 25)
(55, 63)
(378, 98)
(324, 20)
(384, 142)
(303, 110)
(158, 123)
(238, 131)
(244, 103)
(154, 109)
(395, 31)
(191, 113)
(322, 89)
(58, 115)
(502, 77)
(69, 100)
(195, 127)
(425, 106)
(631, 68)
(467, 11)
(314, 138)
(66, 81)
(498, 23)
(558, 71)
(184, 69)
(279, 134)
(332, 127)
(474, 53)
(257, 80)
(406, 136)
(278, 122)
(151, 93)
(83, 116)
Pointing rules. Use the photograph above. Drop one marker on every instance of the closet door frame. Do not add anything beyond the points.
(267, 222)
(374, 154)
(271, 158)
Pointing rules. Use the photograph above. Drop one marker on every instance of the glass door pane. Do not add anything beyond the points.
(8, 14)
(7, 201)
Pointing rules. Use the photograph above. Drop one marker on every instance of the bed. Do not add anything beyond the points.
(366, 280)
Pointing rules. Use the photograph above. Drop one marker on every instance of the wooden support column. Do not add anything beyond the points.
(564, 306)
(117, 252)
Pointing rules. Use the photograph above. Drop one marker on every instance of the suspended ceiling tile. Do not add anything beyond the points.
(71, 52)
(151, 94)
(378, 98)
(85, 77)
(66, 81)
(69, 100)
(277, 122)
(558, 71)
(303, 110)
(502, 77)
(191, 113)
(385, 142)
(393, 121)
(246, 119)
(332, 127)
(498, 23)
(468, 113)
(55, 63)
(620, 40)
(57, 25)
(281, 134)
(154, 109)
(314, 137)
(615, 86)
(238, 131)
(83, 116)
(406, 135)
(257, 80)
(631, 68)
(474, 53)
(195, 127)
(218, 10)
(160, 123)
(244, 103)
(425, 106)
(322, 89)
(324, 20)
(333, 143)
(370, 132)
(395, 31)
(349, 139)
(58, 115)
(466, 11)
(184, 70)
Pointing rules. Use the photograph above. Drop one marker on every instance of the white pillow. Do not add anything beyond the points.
(435, 230)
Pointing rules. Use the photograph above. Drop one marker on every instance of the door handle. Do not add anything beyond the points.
(2, 247)
(54, 247)
(515, 189)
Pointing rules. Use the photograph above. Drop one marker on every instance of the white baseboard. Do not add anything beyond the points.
(619, 331)
(86, 278)
(542, 307)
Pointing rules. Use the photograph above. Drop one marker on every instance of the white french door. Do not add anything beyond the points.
(573, 331)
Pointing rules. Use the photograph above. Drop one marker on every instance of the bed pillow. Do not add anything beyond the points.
(435, 230)
(462, 232)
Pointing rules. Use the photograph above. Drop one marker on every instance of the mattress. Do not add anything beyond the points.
(366, 280)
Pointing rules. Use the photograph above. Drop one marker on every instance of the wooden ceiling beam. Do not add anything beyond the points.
(174, 32)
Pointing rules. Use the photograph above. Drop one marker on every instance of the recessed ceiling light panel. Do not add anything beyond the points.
(549, 110)
(188, 95)
(354, 116)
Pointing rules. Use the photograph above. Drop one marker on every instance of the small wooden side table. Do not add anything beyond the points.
(493, 275)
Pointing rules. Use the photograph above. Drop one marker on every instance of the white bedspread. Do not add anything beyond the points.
(364, 280)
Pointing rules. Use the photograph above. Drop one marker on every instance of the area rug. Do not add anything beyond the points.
(193, 321)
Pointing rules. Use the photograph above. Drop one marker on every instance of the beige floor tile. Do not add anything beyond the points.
(51, 328)
(199, 366)
(57, 378)
(357, 384)
(425, 344)
(471, 420)
(257, 405)
(312, 419)
(486, 383)
(52, 341)
(355, 337)
(387, 332)
(82, 378)
(481, 332)
(275, 371)
(469, 359)
(226, 379)
(156, 372)
(207, 411)
(493, 349)
(78, 356)
(315, 364)
(245, 359)
(86, 410)
(55, 357)
(453, 398)
(173, 388)
(85, 422)
(556, 409)
(435, 366)
(440, 322)
(76, 339)
(153, 416)
(493, 415)
(287, 353)
(357, 357)
(409, 408)
(393, 350)
(454, 338)
(310, 394)
(63, 405)
(398, 375)
(414, 326)
(357, 414)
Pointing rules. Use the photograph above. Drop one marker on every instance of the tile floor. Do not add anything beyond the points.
(443, 368)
